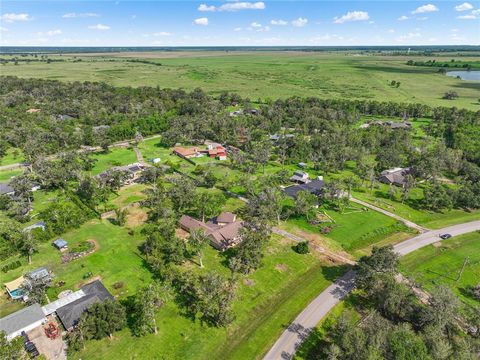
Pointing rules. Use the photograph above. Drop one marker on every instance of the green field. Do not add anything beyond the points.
(12, 156)
(114, 157)
(6, 175)
(436, 265)
(266, 75)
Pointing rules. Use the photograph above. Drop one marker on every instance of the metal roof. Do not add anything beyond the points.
(53, 306)
(21, 319)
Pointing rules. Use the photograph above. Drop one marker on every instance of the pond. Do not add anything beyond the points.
(465, 75)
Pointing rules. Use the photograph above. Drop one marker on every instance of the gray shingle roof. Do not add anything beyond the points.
(314, 187)
(70, 313)
(5, 189)
(21, 319)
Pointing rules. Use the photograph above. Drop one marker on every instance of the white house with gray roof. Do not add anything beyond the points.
(22, 320)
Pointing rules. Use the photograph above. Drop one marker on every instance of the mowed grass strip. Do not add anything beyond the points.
(441, 264)
(114, 157)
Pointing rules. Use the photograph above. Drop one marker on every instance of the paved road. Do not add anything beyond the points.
(409, 223)
(294, 335)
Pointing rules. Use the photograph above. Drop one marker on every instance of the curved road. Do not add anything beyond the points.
(294, 335)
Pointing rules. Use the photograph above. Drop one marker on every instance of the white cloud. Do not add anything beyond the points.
(237, 29)
(408, 36)
(255, 25)
(403, 18)
(352, 16)
(391, 31)
(204, 7)
(467, 17)
(425, 9)
(162, 33)
(233, 6)
(12, 17)
(100, 27)
(53, 32)
(203, 21)
(79, 15)
(300, 22)
(3, 28)
(476, 12)
(464, 7)
(279, 22)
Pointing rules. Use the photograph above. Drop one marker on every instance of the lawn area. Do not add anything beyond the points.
(152, 149)
(6, 175)
(116, 260)
(409, 209)
(13, 156)
(263, 307)
(353, 231)
(442, 264)
(264, 74)
(127, 195)
(115, 157)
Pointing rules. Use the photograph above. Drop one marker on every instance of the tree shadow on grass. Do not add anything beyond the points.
(332, 273)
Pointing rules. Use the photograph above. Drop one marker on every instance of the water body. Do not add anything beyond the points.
(465, 75)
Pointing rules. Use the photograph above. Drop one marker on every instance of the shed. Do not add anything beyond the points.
(22, 320)
(60, 244)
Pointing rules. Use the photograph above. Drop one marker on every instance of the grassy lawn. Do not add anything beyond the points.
(6, 175)
(264, 306)
(266, 75)
(115, 157)
(353, 231)
(13, 156)
(152, 149)
(409, 210)
(117, 259)
(435, 265)
(127, 195)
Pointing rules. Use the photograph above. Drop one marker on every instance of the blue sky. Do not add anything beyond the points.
(237, 23)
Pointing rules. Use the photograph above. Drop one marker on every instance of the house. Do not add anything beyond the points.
(14, 288)
(70, 313)
(60, 244)
(187, 153)
(314, 187)
(223, 230)
(6, 189)
(23, 320)
(300, 177)
(395, 176)
(100, 128)
(218, 152)
(40, 275)
(37, 225)
(156, 160)
(399, 125)
(275, 138)
(132, 171)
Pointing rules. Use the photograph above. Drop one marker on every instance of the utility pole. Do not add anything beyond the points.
(465, 261)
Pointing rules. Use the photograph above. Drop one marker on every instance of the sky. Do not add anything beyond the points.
(238, 23)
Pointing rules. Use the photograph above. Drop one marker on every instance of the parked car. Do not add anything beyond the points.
(32, 349)
(445, 236)
(25, 337)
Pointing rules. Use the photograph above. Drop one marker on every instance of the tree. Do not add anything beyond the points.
(404, 344)
(208, 203)
(383, 260)
(29, 246)
(147, 301)
(181, 193)
(305, 204)
(442, 309)
(437, 197)
(249, 254)
(261, 152)
(121, 216)
(302, 247)
(267, 205)
(197, 241)
(13, 349)
(102, 319)
(450, 95)
(36, 291)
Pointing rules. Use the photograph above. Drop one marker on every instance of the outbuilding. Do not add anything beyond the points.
(60, 244)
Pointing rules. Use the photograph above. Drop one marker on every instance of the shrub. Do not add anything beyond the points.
(302, 248)
(11, 266)
(118, 285)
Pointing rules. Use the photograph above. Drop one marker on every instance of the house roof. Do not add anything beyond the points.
(226, 217)
(94, 292)
(313, 187)
(54, 305)
(6, 189)
(395, 176)
(60, 243)
(39, 273)
(21, 319)
(190, 224)
(186, 151)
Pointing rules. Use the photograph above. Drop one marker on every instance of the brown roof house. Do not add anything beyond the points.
(187, 153)
(223, 230)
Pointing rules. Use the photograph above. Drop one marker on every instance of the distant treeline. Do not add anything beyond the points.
(446, 64)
